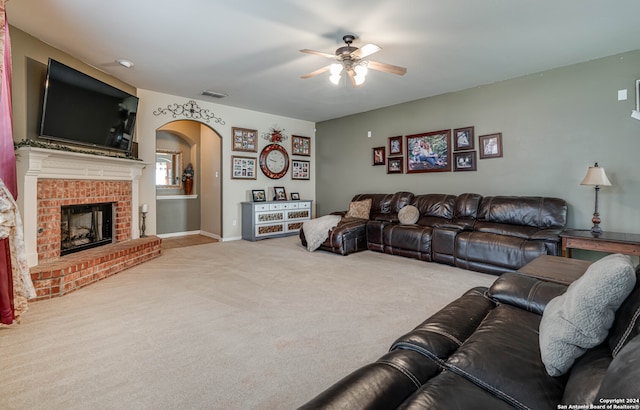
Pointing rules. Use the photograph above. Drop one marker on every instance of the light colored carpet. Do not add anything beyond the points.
(232, 325)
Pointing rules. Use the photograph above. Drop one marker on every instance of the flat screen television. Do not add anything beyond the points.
(80, 109)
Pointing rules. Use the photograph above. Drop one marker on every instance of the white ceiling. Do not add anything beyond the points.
(248, 49)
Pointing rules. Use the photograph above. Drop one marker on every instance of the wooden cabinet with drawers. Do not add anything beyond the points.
(272, 219)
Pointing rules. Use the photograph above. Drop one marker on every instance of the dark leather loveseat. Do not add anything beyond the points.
(493, 234)
(482, 352)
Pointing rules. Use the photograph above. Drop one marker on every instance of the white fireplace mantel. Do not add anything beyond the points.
(34, 163)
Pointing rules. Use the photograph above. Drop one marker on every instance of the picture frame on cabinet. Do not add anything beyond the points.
(300, 169)
(429, 152)
(378, 156)
(463, 139)
(490, 145)
(243, 167)
(395, 145)
(244, 139)
(279, 193)
(395, 165)
(300, 146)
(258, 195)
(464, 161)
(295, 196)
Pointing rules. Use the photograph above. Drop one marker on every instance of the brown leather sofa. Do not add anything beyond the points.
(350, 235)
(493, 234)
(482, 352)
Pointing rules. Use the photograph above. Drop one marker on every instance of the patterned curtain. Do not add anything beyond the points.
(13, 294)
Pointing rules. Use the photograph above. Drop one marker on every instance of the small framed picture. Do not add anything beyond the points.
(280, 193)
(464, 161)
(258, 195)
(463, 139)
(378, 156)
(490, 145)
(300, 169)
(300, 145)
(395, 145)
(243, 167)
(244, 139)
(394, 165)
(295, 196)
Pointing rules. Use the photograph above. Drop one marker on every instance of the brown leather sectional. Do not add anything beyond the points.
(492, 234)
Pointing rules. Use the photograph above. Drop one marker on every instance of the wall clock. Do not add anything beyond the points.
(274, 161)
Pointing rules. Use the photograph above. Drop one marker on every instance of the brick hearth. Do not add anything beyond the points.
(71, 272)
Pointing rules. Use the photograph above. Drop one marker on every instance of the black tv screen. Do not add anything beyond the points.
(83, 110)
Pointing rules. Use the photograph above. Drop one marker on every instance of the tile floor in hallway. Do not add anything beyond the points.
(187, 240)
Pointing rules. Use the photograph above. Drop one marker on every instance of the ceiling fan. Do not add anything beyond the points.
(352, 60)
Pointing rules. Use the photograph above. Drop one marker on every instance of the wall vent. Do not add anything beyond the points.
(213, 94)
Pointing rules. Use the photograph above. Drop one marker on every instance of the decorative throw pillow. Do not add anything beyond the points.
(359, 209)
(580, 319)
(408, 215)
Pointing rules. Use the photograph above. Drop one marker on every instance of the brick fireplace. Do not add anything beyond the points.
(49, 179)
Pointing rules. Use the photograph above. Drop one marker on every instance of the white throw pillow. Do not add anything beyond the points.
(580, 319)
(409, 215)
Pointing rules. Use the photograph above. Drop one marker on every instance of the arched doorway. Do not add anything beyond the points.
(180, 143)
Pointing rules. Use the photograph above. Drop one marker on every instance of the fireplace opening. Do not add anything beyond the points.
(85, 226)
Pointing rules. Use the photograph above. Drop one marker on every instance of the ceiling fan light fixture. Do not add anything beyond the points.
(335, 78)
(358, 79)
(361, 70)
(336, 69)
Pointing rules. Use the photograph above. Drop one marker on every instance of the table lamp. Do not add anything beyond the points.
(596, 178)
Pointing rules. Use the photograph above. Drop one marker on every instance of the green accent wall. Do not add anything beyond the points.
(554, 125)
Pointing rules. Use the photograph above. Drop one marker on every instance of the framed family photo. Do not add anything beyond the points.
(429, 152)
(394, 165)
(295, 196)
(300, 169)
(395, 145)
(378, 156)
(243, 167)
(463, 139)
(490, 145)
(464, 161)
(244, 139)
(280, 193)
(300, 145)
(258, 195)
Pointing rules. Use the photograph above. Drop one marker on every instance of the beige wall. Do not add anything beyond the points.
(29, 64)
(555, 124)
(30, 58)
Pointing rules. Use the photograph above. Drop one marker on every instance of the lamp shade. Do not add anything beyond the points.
(596, 176)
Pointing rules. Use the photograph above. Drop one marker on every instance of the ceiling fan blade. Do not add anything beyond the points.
(365, 51)
(318, 53)
(387, 68)
(315, 73)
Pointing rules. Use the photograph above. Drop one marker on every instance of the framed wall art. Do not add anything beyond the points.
(490, 145)
(395, 165)
(300, 169)
(378, 156)
(258, 195)
(429, 152)
(243, 167)
(280, 193)
(244, 139)
(463, 139)
(395, 145)
(464, 161)
(300, 145)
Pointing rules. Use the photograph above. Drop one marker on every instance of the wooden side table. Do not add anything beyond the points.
(613, 242)
(555, 269)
